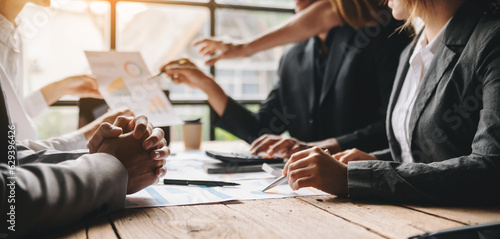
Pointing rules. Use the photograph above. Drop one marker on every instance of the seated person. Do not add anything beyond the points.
(22, 110)
(333, 91)
(42, 190)
(443, 119)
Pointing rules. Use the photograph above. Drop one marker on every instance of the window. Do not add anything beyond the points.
(268, 3)
(162, 30)
(175, 27)
(55, 47)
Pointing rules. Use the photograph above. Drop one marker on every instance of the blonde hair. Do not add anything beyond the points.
(417, 7)
(360, 13)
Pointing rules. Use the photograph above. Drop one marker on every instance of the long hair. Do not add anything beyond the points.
(416, 7)
(361, 13)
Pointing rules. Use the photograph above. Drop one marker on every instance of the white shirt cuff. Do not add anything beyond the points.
(35, 104)
(73, 140)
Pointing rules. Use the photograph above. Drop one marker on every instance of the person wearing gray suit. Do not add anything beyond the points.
(443, 120)
(45, 189)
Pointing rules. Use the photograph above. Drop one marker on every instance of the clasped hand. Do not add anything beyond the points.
(137, 145)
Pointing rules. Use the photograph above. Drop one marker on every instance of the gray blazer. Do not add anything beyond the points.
(455, 123)
(50, 188)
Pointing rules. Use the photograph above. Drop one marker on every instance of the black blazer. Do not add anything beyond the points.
(5, 129)
(358, 80)
(455, 123)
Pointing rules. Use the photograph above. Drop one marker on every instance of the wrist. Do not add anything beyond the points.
(217, 98)
(216, 95)
(209, 86)
(245, 49)
(331, 144)
(53, 91)
(345, 184)
(61, 88)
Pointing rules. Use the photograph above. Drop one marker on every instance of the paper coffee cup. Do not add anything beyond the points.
(191, 133)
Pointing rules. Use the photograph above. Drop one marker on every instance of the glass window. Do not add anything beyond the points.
(55, 48)
(170, 1)
(163, 32)
(190, 112)
(266, 3)
(249, 78)
(57, 121)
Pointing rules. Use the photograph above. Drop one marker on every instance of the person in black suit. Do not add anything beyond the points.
(443, 120)
(333, 91)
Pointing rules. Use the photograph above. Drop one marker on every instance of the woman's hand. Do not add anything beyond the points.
(315, 168)
(318, 18)
(183, 71)
(277, 145)
(347, 156)
(284, 147)
(83, 86)
(220, 50)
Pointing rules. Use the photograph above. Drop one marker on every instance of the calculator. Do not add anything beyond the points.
(243, 158)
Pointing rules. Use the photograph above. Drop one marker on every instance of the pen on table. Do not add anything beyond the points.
(198, 182)
(275, 183)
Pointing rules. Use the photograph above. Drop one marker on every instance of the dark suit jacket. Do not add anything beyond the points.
(5, 125)
(455, 123)
(356, 87)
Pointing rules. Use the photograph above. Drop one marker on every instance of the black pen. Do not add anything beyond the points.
(198, 182)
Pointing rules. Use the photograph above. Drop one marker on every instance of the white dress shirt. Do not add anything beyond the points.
(420, 61)
(22, 109)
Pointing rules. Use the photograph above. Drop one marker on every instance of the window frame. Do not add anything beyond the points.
(212, 6)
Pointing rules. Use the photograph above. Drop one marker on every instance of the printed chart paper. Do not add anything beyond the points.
(189, 165)
(124, 81)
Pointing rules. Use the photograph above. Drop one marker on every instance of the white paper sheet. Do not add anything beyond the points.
(189, 166)
(124, 81)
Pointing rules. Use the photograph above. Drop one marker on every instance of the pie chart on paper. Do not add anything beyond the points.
(118, 88)
(132, 69)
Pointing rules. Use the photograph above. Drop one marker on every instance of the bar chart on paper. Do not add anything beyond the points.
(171, 195)
(123, 80)
(189, 165)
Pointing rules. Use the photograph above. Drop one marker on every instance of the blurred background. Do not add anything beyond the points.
(161, 30)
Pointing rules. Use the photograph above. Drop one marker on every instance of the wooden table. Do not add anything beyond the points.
(302, 217)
